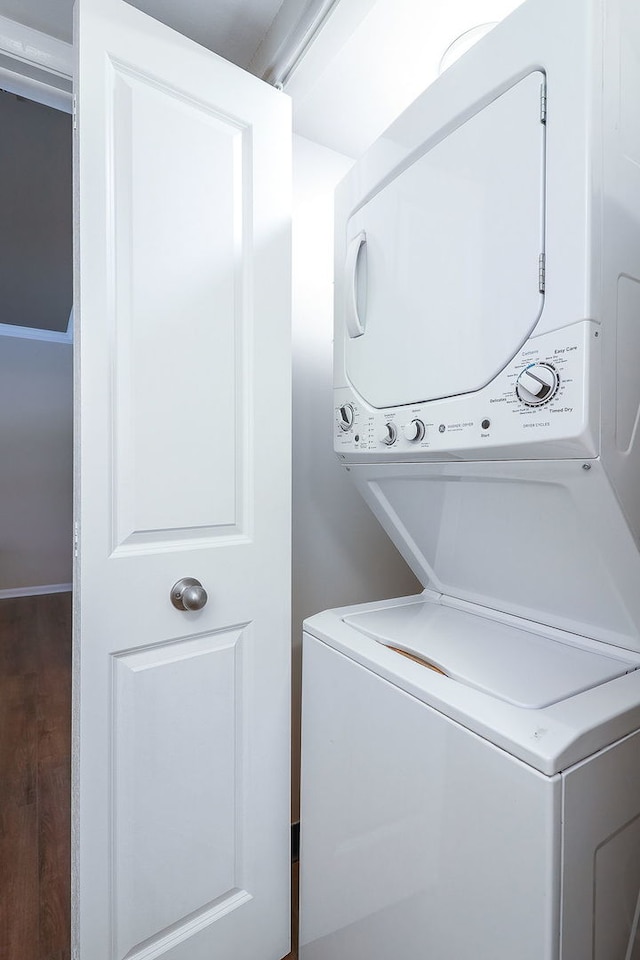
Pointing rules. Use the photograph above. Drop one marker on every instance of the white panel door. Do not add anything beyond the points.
(181, 717)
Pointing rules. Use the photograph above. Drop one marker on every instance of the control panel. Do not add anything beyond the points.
(547, 396)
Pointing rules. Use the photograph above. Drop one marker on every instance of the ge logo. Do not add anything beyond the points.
(442, 428)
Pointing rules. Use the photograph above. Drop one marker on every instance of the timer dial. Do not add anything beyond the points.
(537, 384)
(346, 415)
(389, 435)
(414, 431)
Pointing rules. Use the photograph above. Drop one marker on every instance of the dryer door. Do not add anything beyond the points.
(444, 261)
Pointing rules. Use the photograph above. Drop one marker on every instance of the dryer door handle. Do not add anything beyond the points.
(354, 322)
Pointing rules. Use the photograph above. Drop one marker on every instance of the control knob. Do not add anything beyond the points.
(414, 431)
(346, 416)
(389, 434)
(537, 384)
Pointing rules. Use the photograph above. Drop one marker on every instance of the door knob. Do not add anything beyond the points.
(188, 594)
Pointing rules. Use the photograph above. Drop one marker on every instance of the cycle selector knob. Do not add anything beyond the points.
(389, 434)
(346, 414)
(537, 384)
(414, 431)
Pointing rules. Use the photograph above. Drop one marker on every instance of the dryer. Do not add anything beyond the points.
(486, 406)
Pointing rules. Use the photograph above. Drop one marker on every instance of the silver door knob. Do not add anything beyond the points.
(188, 594)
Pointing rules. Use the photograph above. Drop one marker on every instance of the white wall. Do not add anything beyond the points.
(36, 462)
(340, 553)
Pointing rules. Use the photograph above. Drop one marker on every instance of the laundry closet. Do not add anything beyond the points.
(193, 439)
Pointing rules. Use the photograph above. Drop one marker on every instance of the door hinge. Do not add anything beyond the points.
(543, 103)
(74, 111)
(542, 263)
(76, 538)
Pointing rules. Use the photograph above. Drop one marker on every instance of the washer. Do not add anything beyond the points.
(461, 815)
(487, 403)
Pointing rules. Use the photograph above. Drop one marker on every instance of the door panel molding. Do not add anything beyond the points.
(210, 363)
(171, 702)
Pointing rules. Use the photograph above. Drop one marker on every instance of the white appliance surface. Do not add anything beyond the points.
(507, 662)
(452, 251)
(418, 839)
(421, 839)
(498, 659)
(459, 311)
(547, 542)
(488, 423)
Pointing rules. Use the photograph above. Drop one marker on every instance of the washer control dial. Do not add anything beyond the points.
(389, 434)
(346, 415)
(414, 431)
(537, 384)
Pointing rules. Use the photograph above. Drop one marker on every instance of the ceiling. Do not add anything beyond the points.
(231, 28)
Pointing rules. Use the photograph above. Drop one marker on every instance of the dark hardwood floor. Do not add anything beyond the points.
(35, 749)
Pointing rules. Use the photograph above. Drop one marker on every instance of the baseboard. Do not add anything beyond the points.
(38, 591)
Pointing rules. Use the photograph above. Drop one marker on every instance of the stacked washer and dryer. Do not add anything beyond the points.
(471, 755)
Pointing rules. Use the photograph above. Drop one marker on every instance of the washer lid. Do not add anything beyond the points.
(517, 666)
(442, 283)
